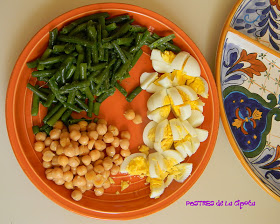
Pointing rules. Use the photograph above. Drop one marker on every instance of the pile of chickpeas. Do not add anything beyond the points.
(83, 156)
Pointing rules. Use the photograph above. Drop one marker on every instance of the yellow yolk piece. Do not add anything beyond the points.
(190, 79)
(165, 111)
(193, 104)
(144, 149)
(198, 86)
(169, 163)
(161, 78)
(155, 182)
(168, 56)
(187, 138)
(166, 101)
(180, 76)
(138, 166)
(166, 143)
(111, 180)
(184, 96)
(151, 134)
(124, 185)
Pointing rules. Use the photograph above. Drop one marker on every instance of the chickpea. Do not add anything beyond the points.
(83, 140)
(89, 185)
(57, 173)
(116, 142)
(98, 162)
(74, 127)
(98, 169)
(115, 170)
(86, 160)
(47, 164)
(66, 168)
(102, 121)
(68, 176)
(101, 129)
(74, 170)
(129, 114)
(118, 161)
(79, 181)
(91, 144)
(64, 141)
(102, 155)
(137, 119)
(48, 141)
(124, 143)
(100, 137)
(100, 145)
(55, 134)
(116, 156)
(74, 161)
(83, 189)
(48, 155)
(81, 170)
(99, 191)
(58, 125)
(45, 149)
(64, 135)
(107, 163)
(106, 184)
(89, 167)
(59, 150)
(41, 136)
(114, 130)
(55, 161)
(111, 151)
(69, 151)
(94, 154)
(68, 185)
(77, 195)
(108, 137)
(75, 135)
(39, 146)
(98, 180)
(125, 135)
(54, 145)
(59, 181)
(90, 176)
(62, 160)
(64, 130)
(106, 174)
(83, 149)
(48, 173)
(91, 127)
(83, 125)
(125, 152)
(93, 135)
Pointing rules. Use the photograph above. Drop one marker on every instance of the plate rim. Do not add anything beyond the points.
(227, 28)
(36, 180)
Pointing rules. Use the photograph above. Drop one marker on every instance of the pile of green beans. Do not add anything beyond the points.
(86, 61)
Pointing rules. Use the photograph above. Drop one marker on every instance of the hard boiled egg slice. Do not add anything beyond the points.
(195, 104)
(196, 118)
(159, 114)
(179, 60)
(202, 134)
(164, 81)
(157, 100)
(157, 168)
(147, 78)
(178, 78)
(184, 171)
(177, 128)
(200, 86)
(184, 148)
(172, 157)
(135, 164)
(161, 67)
(163, 136)
(152, 88)
(175, 97)
(157, 187)
(182, 112)
(187, 93)
(149, 134)
(195, 144)
(189, 128)
(168, 180)
(192, 67)
(161, 62)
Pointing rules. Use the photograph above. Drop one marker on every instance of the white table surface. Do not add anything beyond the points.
(224, 178)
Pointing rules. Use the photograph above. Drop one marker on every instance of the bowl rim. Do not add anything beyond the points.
(36, 180)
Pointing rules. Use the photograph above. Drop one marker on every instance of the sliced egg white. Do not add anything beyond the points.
(168, 180)
(177, 128)
(163, 136)
(196, 118)
(174, 96)
(185, 170)
(164, 81)
(156, 55)
(187, 93)
(147, 78)
(200, 86)
(152, 88)
(200, 105)
(179, 60)
(202, 134)
(195, 144)
(157, 100)
(189, 128)
(149, 134)
(157, 166)
(156, 188)
(182, 112)
(173, 157)
(159, 114)
(184, 148)
(127, 160)
(192, 67)
(161, 67)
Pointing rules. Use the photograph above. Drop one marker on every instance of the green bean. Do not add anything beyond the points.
(96, 108)
(138, 38)
(89, 94)
(106, 55)
(91, 32)
(70, 72)
(53, 37)
(75, 121)
(72, 107)
(111, 27)
(97, 67)
(35, 129)
(32, 64)
(101, 21)
(49, 100)
(80, 95)
(52, 60)
(75, 40)
(89, 56)
(36, 91)
(120, 32)
(83, 71)
(69, 48)
(105, 95)
(125, 41)
(118, 19)
(52, 112)
(82, 104)
(78, 29)
(99, 43)
(58, 48)
(35, 105)
(121, 89)
(142, 42)
(136, 58)
(64, 67)
(73, 86)
(133, 94)
(45, 55)
(65, 116)
(44, 127)
(117, 65)
(161, 41)
(137, 29)
(45, 90)
(44, 73)
(56, 116)
(90, 108)
(54, 88)
(119, 51)
(127, 54)
(122, 70)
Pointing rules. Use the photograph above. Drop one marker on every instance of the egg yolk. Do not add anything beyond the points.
(198, 86)
(165, 111)
(138, 166)
(180, 76)
(190, 79)
(144, 149)
(193, 104)
(124, 185)
(161, 78)
(166, 143)
(184, 96)
(168, 56)
(166, 101)
(185, 139)
(155, 182)
(152, 134)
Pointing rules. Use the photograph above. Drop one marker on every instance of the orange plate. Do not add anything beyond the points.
(134, 201)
